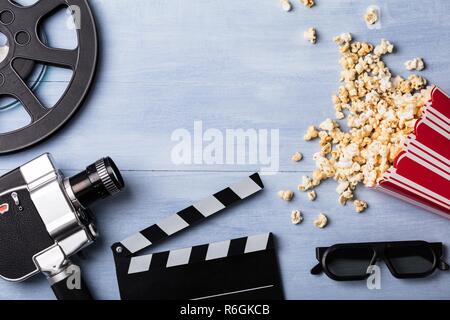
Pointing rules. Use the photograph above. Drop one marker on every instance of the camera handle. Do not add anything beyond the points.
(64, 277)
(69, 284)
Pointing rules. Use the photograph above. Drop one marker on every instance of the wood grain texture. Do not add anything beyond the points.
(236, 64)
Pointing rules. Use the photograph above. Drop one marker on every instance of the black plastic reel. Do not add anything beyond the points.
(21, 25)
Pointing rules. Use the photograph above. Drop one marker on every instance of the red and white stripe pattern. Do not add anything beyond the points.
(421, 173)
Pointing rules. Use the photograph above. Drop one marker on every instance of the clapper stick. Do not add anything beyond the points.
(188, 217)
(245, 268)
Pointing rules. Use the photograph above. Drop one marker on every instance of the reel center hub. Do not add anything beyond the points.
(24, 68)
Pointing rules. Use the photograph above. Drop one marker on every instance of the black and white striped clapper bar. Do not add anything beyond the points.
(244, 268)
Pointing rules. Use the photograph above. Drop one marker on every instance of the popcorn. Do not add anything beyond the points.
(326, 149)
(371, 16)
(286, 195)
(307, 184)
(342, 187)
(415, 64)
(345, 197)
(343, 39)
(328, 125)
(318, 176)
(311, 35)
(311, 134)
(312, 195)
(340, 115)
(297, 157)
(296, 217)
(383, 48)
(308, 3)
(380, 109)
(286, 5)
(417, 82)
(321, 222)
(360, 206)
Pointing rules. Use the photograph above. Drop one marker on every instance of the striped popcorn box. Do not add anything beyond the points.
(421, 173)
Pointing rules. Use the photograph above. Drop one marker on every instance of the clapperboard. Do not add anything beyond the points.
(244, 268)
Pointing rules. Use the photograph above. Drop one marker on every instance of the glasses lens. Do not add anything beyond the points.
(411, 259)
(345, 262)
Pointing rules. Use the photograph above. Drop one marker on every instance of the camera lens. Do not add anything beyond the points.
(99, 181)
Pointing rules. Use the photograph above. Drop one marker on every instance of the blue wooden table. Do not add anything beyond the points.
(235, 64)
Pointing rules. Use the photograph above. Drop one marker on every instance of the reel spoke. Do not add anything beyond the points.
(44, 7)
(25, 95)
(41, 53)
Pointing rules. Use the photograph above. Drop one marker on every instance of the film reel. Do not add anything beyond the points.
(36, 77)
(21, 25)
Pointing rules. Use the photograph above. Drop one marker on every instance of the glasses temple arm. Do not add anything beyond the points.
(443, 266)
(317, 269)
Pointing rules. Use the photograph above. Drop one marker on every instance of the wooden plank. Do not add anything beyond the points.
(150, 197)
(235, 64)
(181, 62)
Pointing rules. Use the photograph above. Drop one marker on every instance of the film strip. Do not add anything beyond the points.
(243, 268)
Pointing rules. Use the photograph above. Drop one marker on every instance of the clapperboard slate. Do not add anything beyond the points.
(244, 268)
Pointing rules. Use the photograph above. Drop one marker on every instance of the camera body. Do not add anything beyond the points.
(44, 216)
